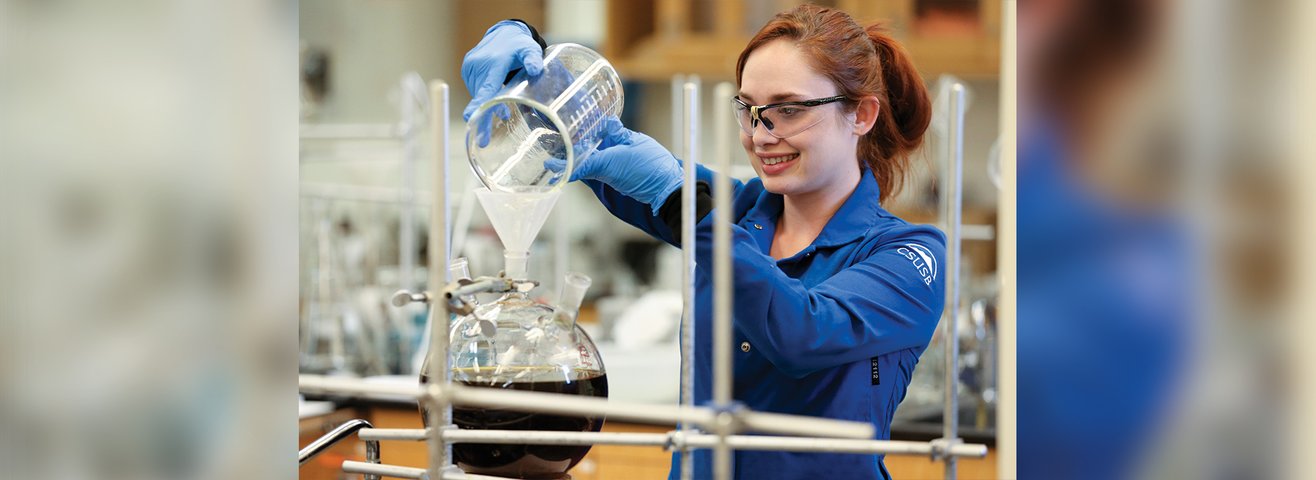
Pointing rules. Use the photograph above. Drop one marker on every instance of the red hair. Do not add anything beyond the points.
(860, 62)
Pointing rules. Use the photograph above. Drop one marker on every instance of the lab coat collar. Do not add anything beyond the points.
(856, 216)
(851, 222)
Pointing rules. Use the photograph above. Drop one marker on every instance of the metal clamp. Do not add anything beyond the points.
(456, 292)
(676, 441)
(729, 418)
(405, 297)
(941, 448)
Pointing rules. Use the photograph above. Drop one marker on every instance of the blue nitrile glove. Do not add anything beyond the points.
(507, 45)
(631, 163)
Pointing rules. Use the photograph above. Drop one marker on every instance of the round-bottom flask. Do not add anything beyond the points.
(517, 344)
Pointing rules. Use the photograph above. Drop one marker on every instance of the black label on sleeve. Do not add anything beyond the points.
(877, 375)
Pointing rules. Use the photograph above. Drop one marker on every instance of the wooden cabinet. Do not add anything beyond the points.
(655, 39)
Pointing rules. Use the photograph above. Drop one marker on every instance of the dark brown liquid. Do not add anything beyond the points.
(524, 461)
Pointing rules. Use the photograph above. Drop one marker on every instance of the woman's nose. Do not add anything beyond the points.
(761, 135)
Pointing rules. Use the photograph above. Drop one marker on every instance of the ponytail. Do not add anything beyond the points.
(903, 114)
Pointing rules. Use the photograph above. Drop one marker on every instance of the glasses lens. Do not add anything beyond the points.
(741, 111)
(788, 120)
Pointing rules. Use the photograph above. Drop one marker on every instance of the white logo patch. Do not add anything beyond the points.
(923, 261)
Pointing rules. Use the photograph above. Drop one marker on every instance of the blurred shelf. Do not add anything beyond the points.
(655, 39)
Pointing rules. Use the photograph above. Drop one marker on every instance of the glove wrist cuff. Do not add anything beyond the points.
(534, 33)
(670, 211)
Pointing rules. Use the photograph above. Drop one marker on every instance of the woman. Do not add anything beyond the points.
(835, 298)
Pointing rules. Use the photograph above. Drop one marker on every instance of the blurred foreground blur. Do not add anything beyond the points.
(1157, 225)
(148, 170)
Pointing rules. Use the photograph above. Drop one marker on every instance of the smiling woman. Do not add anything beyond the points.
(817, 52)
(845, 295)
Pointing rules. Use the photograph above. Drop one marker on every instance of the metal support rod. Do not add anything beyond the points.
(393, 471)
(686, 135)
(723, 373)
(440, 412)
(1007, 270)
(558, 438)
(723, 289)
(336, 435)
(355, 387)
(654, 414)
(836, 445)
(376, 470)
(457, 394)
(676, 438)
(953, 203)
(394, 434)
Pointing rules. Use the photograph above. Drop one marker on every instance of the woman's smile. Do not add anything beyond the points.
(774, 163)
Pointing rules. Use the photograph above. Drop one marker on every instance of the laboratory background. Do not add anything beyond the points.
(207, 208)
(367, 154)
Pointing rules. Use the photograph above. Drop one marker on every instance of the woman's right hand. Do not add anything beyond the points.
(630, 162)
(506, 47)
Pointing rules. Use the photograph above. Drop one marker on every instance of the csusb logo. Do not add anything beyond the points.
(923, 261)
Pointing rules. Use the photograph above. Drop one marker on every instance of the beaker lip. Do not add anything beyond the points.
(552, 118)
(553, 50)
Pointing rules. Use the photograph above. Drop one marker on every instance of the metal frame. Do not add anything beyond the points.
(953, 202)
(688, 104)
(724, 421)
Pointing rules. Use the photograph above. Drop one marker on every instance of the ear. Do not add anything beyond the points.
(866, 115)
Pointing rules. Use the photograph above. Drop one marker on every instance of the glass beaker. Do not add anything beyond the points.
(556, 116)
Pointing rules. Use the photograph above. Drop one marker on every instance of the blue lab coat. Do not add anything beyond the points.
(833, 331)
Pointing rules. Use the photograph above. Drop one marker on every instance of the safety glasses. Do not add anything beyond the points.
(781, 119)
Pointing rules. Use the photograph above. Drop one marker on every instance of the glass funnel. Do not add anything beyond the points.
(516, 343)
(530, 136)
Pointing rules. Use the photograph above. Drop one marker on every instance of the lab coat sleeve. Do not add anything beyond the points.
(639, 215)
(887, 301)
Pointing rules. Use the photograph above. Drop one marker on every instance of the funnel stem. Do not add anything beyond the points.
(515, 264)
